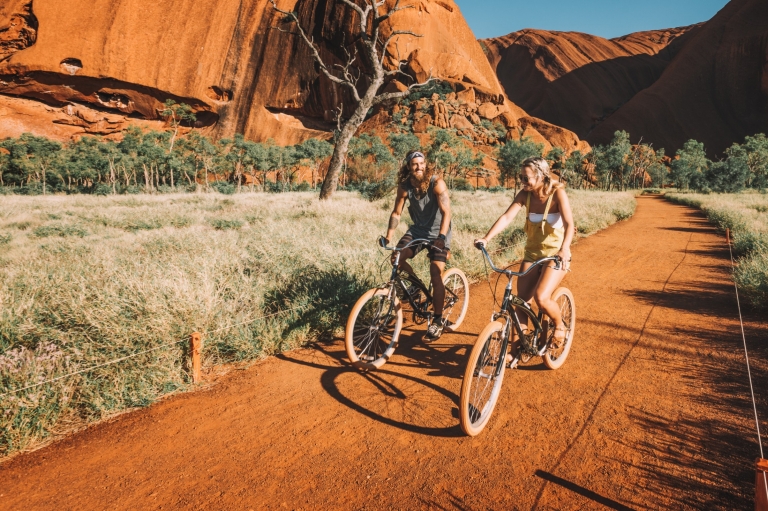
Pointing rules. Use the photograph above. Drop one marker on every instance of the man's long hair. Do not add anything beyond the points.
(404, 174)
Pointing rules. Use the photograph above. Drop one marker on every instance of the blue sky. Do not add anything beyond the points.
(605, 18)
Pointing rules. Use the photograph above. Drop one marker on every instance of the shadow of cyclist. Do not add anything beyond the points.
(397, 395)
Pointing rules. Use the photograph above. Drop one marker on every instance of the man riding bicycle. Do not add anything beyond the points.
(430, 209)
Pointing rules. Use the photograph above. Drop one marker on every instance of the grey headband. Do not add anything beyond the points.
(416, 154)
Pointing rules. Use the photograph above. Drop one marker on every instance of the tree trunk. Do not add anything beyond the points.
(331, 181)
(146, 179)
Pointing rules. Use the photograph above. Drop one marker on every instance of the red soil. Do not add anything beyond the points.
(650, 410)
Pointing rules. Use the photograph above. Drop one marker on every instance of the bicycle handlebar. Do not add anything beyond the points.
(420, 241)
(510, 273)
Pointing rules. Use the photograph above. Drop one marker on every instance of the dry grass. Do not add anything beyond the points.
(85, 280)
(746, 215)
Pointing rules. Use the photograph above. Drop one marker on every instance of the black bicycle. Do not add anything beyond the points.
(374, 325)
(494, 349)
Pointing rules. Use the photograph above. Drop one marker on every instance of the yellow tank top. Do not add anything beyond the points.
(544, 240)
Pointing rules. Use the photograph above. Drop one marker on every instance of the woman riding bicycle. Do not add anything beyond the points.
(549, 230)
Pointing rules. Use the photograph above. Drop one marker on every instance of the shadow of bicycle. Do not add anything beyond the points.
(399, 394)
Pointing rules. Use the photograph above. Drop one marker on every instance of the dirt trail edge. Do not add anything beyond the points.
(650, 411)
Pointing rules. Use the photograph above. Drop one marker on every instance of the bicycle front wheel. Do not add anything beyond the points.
(373, 329)
(482, 379)
(555, 356)
(456, 298)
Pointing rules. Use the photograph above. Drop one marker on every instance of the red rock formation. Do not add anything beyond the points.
(575, 80)
(708, 82)
(225, 58)
(715, 90)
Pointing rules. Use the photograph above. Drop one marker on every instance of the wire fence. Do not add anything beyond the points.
(150, 350)
(749, 370)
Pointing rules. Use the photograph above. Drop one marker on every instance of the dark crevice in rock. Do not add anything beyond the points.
(18, 28)
(71, 66)
(105, 94)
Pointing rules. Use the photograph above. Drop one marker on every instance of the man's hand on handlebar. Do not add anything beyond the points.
(439, 243)
(383, 242)
(480, 243)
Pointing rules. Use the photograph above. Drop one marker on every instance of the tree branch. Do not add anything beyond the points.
(315, 54)
(363, 14)
(399, 95)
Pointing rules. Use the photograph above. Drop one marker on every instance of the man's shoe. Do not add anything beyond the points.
(435, 330)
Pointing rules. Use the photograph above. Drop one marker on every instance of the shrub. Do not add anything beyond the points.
(63, 231)
(222, 224)
(224, 187)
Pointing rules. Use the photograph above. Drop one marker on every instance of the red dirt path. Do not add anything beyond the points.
(650, 411)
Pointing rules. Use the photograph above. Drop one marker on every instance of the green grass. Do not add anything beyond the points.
(746, 215)
(92, 279)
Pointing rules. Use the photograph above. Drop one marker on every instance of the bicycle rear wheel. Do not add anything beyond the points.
(482, 379)
(456, 298)
(555, 356)
(373, 329)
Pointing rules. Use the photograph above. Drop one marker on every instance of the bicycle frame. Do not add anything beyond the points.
(511, 300)
(395, 279)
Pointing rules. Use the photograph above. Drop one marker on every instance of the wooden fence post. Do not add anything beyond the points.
(761, 493)
(195, 347)
(728, 235)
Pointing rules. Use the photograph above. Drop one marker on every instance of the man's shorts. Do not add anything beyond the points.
(435, 255)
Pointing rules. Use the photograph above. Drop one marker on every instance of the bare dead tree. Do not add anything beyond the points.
(372, 14)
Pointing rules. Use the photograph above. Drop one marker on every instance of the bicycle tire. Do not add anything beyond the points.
(480, 388)
(455, 280)
(555, 358)
(368, 345)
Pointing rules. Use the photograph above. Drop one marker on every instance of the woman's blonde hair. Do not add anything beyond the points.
(541, 167)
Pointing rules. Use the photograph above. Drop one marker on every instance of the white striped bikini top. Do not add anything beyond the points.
(553, 219)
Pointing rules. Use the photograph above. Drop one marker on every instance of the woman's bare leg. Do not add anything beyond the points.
(548, 282)
(525, 290)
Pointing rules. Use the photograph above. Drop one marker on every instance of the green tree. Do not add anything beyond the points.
(573, 169)
(312, 152)
(690, 162)
(556, 158)
(176, 115)
(658, 171)
(370, 160)
(35, 158)
(614, 168)
(402, 143)
(731, 175)
(512, 154)
(757, 160)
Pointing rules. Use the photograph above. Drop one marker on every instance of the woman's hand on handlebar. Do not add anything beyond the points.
(565, 258)
(383, 242)
(482, 242)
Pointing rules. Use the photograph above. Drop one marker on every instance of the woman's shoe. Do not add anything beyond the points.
(558, 338)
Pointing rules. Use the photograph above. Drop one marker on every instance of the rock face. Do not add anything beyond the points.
(225, 58)
(715, 90)
(708, 81)
(576, 80)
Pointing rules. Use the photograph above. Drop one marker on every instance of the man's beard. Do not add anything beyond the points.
(420, 184)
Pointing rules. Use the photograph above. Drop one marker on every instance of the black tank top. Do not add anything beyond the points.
(425, 213)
